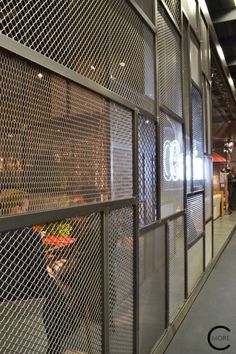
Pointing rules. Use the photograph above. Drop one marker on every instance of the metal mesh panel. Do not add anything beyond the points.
(190, 8)
(195, 264)
(148, 7)
(204, 46)
(147, 171)
(197, 139)
(194, 217)
(101, 40)
(60, 141)
(176, 266)
(208, 119)
(169, 54)
(208, 187)
(172, 157)
(208, 243)
(194, 62)
(121, 278)
(51, 287)
(174, 7)
(152, 280)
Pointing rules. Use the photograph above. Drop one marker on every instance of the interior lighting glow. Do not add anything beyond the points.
(92, 67)
(122, 64)
(40, 76)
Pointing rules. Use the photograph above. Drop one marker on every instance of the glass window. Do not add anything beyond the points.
(172, 176)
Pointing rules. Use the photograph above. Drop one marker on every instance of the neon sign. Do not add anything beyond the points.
(172, 161)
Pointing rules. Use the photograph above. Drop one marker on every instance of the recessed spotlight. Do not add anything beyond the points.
(122, 64)
(92, 67)
(40, 76)
(147, 121)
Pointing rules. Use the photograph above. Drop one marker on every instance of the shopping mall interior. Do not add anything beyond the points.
(117, 176)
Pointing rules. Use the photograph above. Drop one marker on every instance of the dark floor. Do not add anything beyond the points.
(215, 305)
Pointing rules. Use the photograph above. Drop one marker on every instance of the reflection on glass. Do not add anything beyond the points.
(173, 166)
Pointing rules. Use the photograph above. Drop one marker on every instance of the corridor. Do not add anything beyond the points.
(215, 305)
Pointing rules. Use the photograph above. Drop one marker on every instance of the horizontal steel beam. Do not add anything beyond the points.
(44, 217)
(225, 17)
(232, 62)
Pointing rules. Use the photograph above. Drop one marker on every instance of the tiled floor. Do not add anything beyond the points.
(215, 305)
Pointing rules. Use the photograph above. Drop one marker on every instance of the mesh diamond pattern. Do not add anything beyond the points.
(51, 287)
(176, 266)
(60, 141)
(194, 217)
(174, 7)
(121, 279)
(147, 171)
(169, 54)
(197, 139)
(101, 40)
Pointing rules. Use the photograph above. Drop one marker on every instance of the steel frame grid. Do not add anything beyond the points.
(167, 264)
(192, 29)
(127, 104)
(186, 101)
(171, 17)
(193, 85)
(201, 17)
(143, 15)
(177, 31)
(136, 232)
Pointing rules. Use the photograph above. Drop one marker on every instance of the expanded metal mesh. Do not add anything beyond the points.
(152, 285)
(208, 187)
(101, 40)
(195, 62)
(147, 171)
(51, 287)
(208, 243)
(169, 57)
(190, 8)
(176, 266)
(205, 46)
(197, 139)
(194, 217)
(61, 142)
(175, 9)
(121, 280)
(172, 157)
(148, 7)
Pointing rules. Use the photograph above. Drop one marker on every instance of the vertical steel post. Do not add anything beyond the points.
(105, 281)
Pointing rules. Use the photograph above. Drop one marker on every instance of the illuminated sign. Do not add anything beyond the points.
(172, 161)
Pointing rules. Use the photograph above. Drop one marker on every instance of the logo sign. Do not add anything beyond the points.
(172, 161)
(218, 338)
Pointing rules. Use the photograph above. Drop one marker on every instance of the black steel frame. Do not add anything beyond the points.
(13, 222)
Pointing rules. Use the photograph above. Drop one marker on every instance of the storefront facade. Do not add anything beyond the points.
(106, 136)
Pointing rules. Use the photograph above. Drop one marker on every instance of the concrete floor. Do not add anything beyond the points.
(215, 305)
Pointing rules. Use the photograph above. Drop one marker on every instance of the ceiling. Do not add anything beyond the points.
(223, 15)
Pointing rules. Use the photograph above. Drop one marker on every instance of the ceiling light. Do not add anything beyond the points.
(92, 67)
(122, 64)
(147, 121)
(40, 76)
